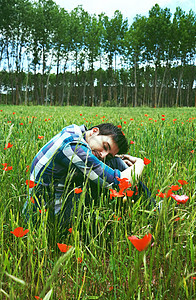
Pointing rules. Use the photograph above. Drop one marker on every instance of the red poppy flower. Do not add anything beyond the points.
(150, 119)
(124, 184)
(40, 137)
(162, 195)
(70, 230)
(169, 193)
(122, 180)
(140, 244)
(163, 115)
(182, 182)
(114, 193)
(146, 115)
(9, 145)
(32, 200)
(78, 190)
(136, 193)
(180, 198)
(132, 142)
(30, 183)
(146, 161)
(40, 210)
(119, 126)
(175, 187)
(8, 168)
(192, 151)
(163, 119)
(18, 232)
(14, 113)
(21, 124)
(177, 219)
(111, 288)
(129, 193)
(118, 218)
(63, 247)
(37, 297)
(193, 277)
(5, 164)
(131, 119)
(80, 260)
(27, 169)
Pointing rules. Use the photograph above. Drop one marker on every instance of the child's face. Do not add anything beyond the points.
(101, 145)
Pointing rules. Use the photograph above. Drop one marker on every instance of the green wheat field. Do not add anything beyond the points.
(101, 262)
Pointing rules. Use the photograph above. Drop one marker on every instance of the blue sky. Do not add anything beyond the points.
(129, 8)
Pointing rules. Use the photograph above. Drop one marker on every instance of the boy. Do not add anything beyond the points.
(75, 155)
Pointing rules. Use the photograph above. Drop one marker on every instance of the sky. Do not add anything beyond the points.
(128, 8)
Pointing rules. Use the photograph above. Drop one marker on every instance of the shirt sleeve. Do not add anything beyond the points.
(91, 166)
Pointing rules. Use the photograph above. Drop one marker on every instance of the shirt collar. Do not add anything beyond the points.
(83, 130)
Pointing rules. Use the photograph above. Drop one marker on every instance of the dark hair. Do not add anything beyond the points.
(116, 134)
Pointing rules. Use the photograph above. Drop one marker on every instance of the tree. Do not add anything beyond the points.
(92, 46)
(114, 31)
(42, 31)
(183, 42)
(134, 47)
(157, 35)
(61, 42)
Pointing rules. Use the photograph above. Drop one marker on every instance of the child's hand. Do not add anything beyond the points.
(128, 159)
(136, 166)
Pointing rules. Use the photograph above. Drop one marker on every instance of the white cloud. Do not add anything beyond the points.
(129, 8)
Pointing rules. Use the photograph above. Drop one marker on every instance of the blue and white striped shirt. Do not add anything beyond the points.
(65, 151)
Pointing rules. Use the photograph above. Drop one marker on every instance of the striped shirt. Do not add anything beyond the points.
(67, 151)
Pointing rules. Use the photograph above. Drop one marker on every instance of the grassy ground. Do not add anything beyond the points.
(102, 263)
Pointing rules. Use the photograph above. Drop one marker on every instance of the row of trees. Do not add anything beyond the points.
(50, 55)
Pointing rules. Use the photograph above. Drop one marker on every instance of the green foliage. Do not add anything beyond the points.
(102, 262)
(54, 39)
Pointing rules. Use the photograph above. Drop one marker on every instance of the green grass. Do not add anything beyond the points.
(111, 268)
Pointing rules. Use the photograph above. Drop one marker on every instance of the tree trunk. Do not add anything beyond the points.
(125, 95)
(63, 83)
(43, 73)
(17, 89)
(135, 83)
(161, 88)
(178, 87)
(26, 88)
(56, 99)
(115, 90)
(84, 93)
(101, 92)
(109, 93)
(155, 86)
(92, 86)
(110, 78)
(46, 103)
